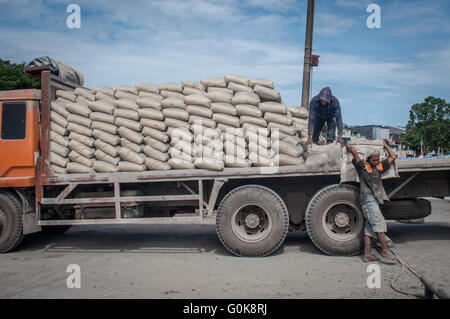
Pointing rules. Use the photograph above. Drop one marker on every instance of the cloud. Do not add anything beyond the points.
(353, 3)
(329, 24)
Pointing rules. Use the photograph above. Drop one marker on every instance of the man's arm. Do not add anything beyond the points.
(392, 156)
(354, 153)
(338, 116)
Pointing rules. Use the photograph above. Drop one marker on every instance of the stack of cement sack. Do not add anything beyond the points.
(215, 123)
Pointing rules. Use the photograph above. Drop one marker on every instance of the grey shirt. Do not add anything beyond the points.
(371, 186)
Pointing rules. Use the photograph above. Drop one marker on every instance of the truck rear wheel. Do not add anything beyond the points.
(10, 222)
(334, 220)
(252, 221)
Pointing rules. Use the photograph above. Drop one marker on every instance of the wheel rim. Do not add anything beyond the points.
(251, 223)
(2, 223)
(342, 221)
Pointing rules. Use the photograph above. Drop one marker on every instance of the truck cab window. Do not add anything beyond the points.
(13, 121)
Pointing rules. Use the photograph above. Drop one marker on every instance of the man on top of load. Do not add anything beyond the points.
(325, 107)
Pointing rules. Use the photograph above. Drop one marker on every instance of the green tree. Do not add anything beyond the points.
(13, 78)
(429, 122)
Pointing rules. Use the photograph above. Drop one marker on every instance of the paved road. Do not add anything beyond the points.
(185, 261)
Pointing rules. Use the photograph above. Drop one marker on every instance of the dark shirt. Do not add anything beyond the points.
(371, 186)
(325, 112)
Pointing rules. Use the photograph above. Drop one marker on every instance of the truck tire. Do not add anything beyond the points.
(55, 230)
(10, 222)
(334, 220)
(252, 221)
(406, 209)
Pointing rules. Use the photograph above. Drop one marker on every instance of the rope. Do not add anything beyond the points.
(404, 266)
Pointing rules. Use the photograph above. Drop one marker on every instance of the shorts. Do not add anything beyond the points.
(375, 222)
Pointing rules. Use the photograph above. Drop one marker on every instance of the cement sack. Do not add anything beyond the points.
(176, 113)
(363, 146)
(59, 149)
(125, 88)
(105, 167)
(230, 129)
(220, 89)
(87, 94)
(156, 134)
(80, 120)
(176, 153)
(88, 141)
(196, 99)
(216, 82)
(82, 99)
(263, 131)
(239, 79)
(262, 82)
(245, 98)
(259, 161)
(286, 160)
(289, 130)
(228, 120)
(235, 150)
(147, 87)
(59, 108)
(304, 140)
(79, 108)
(289, 149)
(149, 102)
(102, 117)
(217, 96)
(179, 164)
(153, 164)
(231, 161)
(167, 94)
(127, 114)
(58, 129)
(104, 97)
(151, 114)
(173, 102)
(102, 106)
(68, 95)
(174, 87)
(210, 164)
(209, 152)
(194, 85)
(278, 118)
(212, 133)
(138, 148)
(58, 119)
(300, 122)
(159, 125)
(78, 158)
(170, 122)
(72, 127)
(208, 141)
(253, 120)
(202, 121)
(58, 160)
(155, 154)
(154, 96)
(126, 104)
(102, 156)
(105, 127)
(253, 136)
(272, 107)
(131, 156)
(121, 95)
(238, 140)
(77, 168)
(190, 91)
(104, 90)
(158, 145)
(131, 124)
(125, 166)
(182, 146)
(182, 134)
(58, 138)
(238, 87)
(58, 169)
(63, 101)
(131, 135)
(293, 140)
(81, 149)
(107, 148)
(318, 161)
(260, 150)
(106, 137)
(224, 108)
(298, 112)
(267, 94)
(248, 109)
(199, 111)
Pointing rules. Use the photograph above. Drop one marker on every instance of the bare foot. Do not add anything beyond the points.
(368, 258)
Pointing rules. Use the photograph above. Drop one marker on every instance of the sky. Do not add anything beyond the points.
(376, 73)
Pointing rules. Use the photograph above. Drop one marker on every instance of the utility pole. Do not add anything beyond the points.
(307, 60)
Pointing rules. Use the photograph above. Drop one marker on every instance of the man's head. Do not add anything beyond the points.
(325, 96)
(373, 157)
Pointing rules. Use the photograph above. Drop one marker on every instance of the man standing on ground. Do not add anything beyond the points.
(325, 107)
